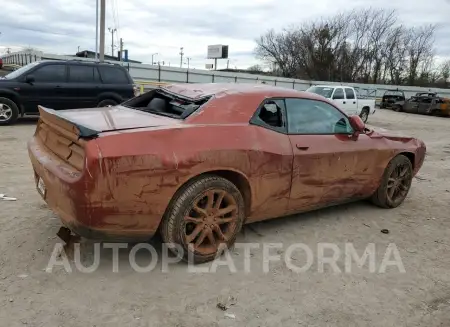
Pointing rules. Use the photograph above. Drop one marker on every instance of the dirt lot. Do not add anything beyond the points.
(419, 228)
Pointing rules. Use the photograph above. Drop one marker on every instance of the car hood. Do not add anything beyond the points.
(92, 121)
(378, 132)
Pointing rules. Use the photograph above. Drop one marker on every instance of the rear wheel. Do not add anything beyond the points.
(9, 112)
(204, 217)
(106, 103)
(395, 184)
(364, 115)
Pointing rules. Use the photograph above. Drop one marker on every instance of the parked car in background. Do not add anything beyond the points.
(62, 85)
(346, 98)
(1, 63)
(390, 97)
(197, 161)
(427, 103)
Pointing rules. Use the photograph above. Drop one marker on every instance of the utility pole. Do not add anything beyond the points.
(102, 30)
(188, 60)
(96, 29)
(78, 49)
(121, 50)
(112, 31)
(154, 54)
(181, 57)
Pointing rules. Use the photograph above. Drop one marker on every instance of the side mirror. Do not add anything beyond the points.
(357, 124)
(29, 79)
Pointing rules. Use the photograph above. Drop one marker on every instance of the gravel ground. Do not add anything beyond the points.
(420, 296)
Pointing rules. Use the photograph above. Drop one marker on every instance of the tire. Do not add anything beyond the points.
(400, 169)
(9, 112)
(107, 102)
(182, 224)
(397, 108)
(364, 115)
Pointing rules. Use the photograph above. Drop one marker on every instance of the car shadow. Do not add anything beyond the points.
(27, 120)
(269, 231)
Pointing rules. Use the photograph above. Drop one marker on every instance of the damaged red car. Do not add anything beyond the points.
(195, 162)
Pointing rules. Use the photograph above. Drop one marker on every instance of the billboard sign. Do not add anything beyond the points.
(217, 51)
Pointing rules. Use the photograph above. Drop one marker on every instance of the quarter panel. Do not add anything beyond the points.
(139, 172)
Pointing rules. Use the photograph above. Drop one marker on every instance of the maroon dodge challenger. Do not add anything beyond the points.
(195, 162)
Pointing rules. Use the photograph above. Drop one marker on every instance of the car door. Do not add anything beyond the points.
(338, 98)
(270, 161)
(84, 86)
(411, 105)
(48, 88)
(329, 165)
(425, 105)
(351, 103)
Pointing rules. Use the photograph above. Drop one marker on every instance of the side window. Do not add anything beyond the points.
(113, 75)
(81, 74)
(349, 93)
(338, 94)
(270, 114)
(50, 74)
(306, 116)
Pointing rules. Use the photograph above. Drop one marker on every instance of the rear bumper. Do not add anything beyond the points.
(71, 195)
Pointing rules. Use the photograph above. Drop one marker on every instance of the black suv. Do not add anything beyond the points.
(62, 84)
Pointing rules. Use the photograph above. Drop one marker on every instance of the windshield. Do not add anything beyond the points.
(321, 90)
(21, 70)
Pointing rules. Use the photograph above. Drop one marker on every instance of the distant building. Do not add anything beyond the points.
(91, 54)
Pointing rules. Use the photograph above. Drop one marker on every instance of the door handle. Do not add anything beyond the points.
(302, 148)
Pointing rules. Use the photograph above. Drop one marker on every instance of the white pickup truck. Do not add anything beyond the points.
(347, 99)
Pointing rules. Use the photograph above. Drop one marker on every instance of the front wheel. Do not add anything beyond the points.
(397, 108)
(395, 184)
(204, 218)
(9, 112)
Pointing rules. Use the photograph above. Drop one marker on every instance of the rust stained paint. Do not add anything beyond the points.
(128, 178)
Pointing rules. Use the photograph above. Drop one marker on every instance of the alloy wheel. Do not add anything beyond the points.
(5, 112)
(212, 220)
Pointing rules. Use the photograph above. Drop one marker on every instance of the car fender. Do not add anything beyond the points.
(14, 96)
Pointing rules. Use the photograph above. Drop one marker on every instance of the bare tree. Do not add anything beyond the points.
(367, 45)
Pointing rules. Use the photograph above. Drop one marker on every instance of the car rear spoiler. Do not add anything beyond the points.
(69, 127)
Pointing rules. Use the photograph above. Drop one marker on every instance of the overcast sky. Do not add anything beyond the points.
(150, 26)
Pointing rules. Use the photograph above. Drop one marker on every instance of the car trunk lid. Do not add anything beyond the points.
(65, 133)
(87, 123)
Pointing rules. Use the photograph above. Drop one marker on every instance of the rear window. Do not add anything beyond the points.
(162, 103)
(113, 75)
(83, 74)
(321, 90)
